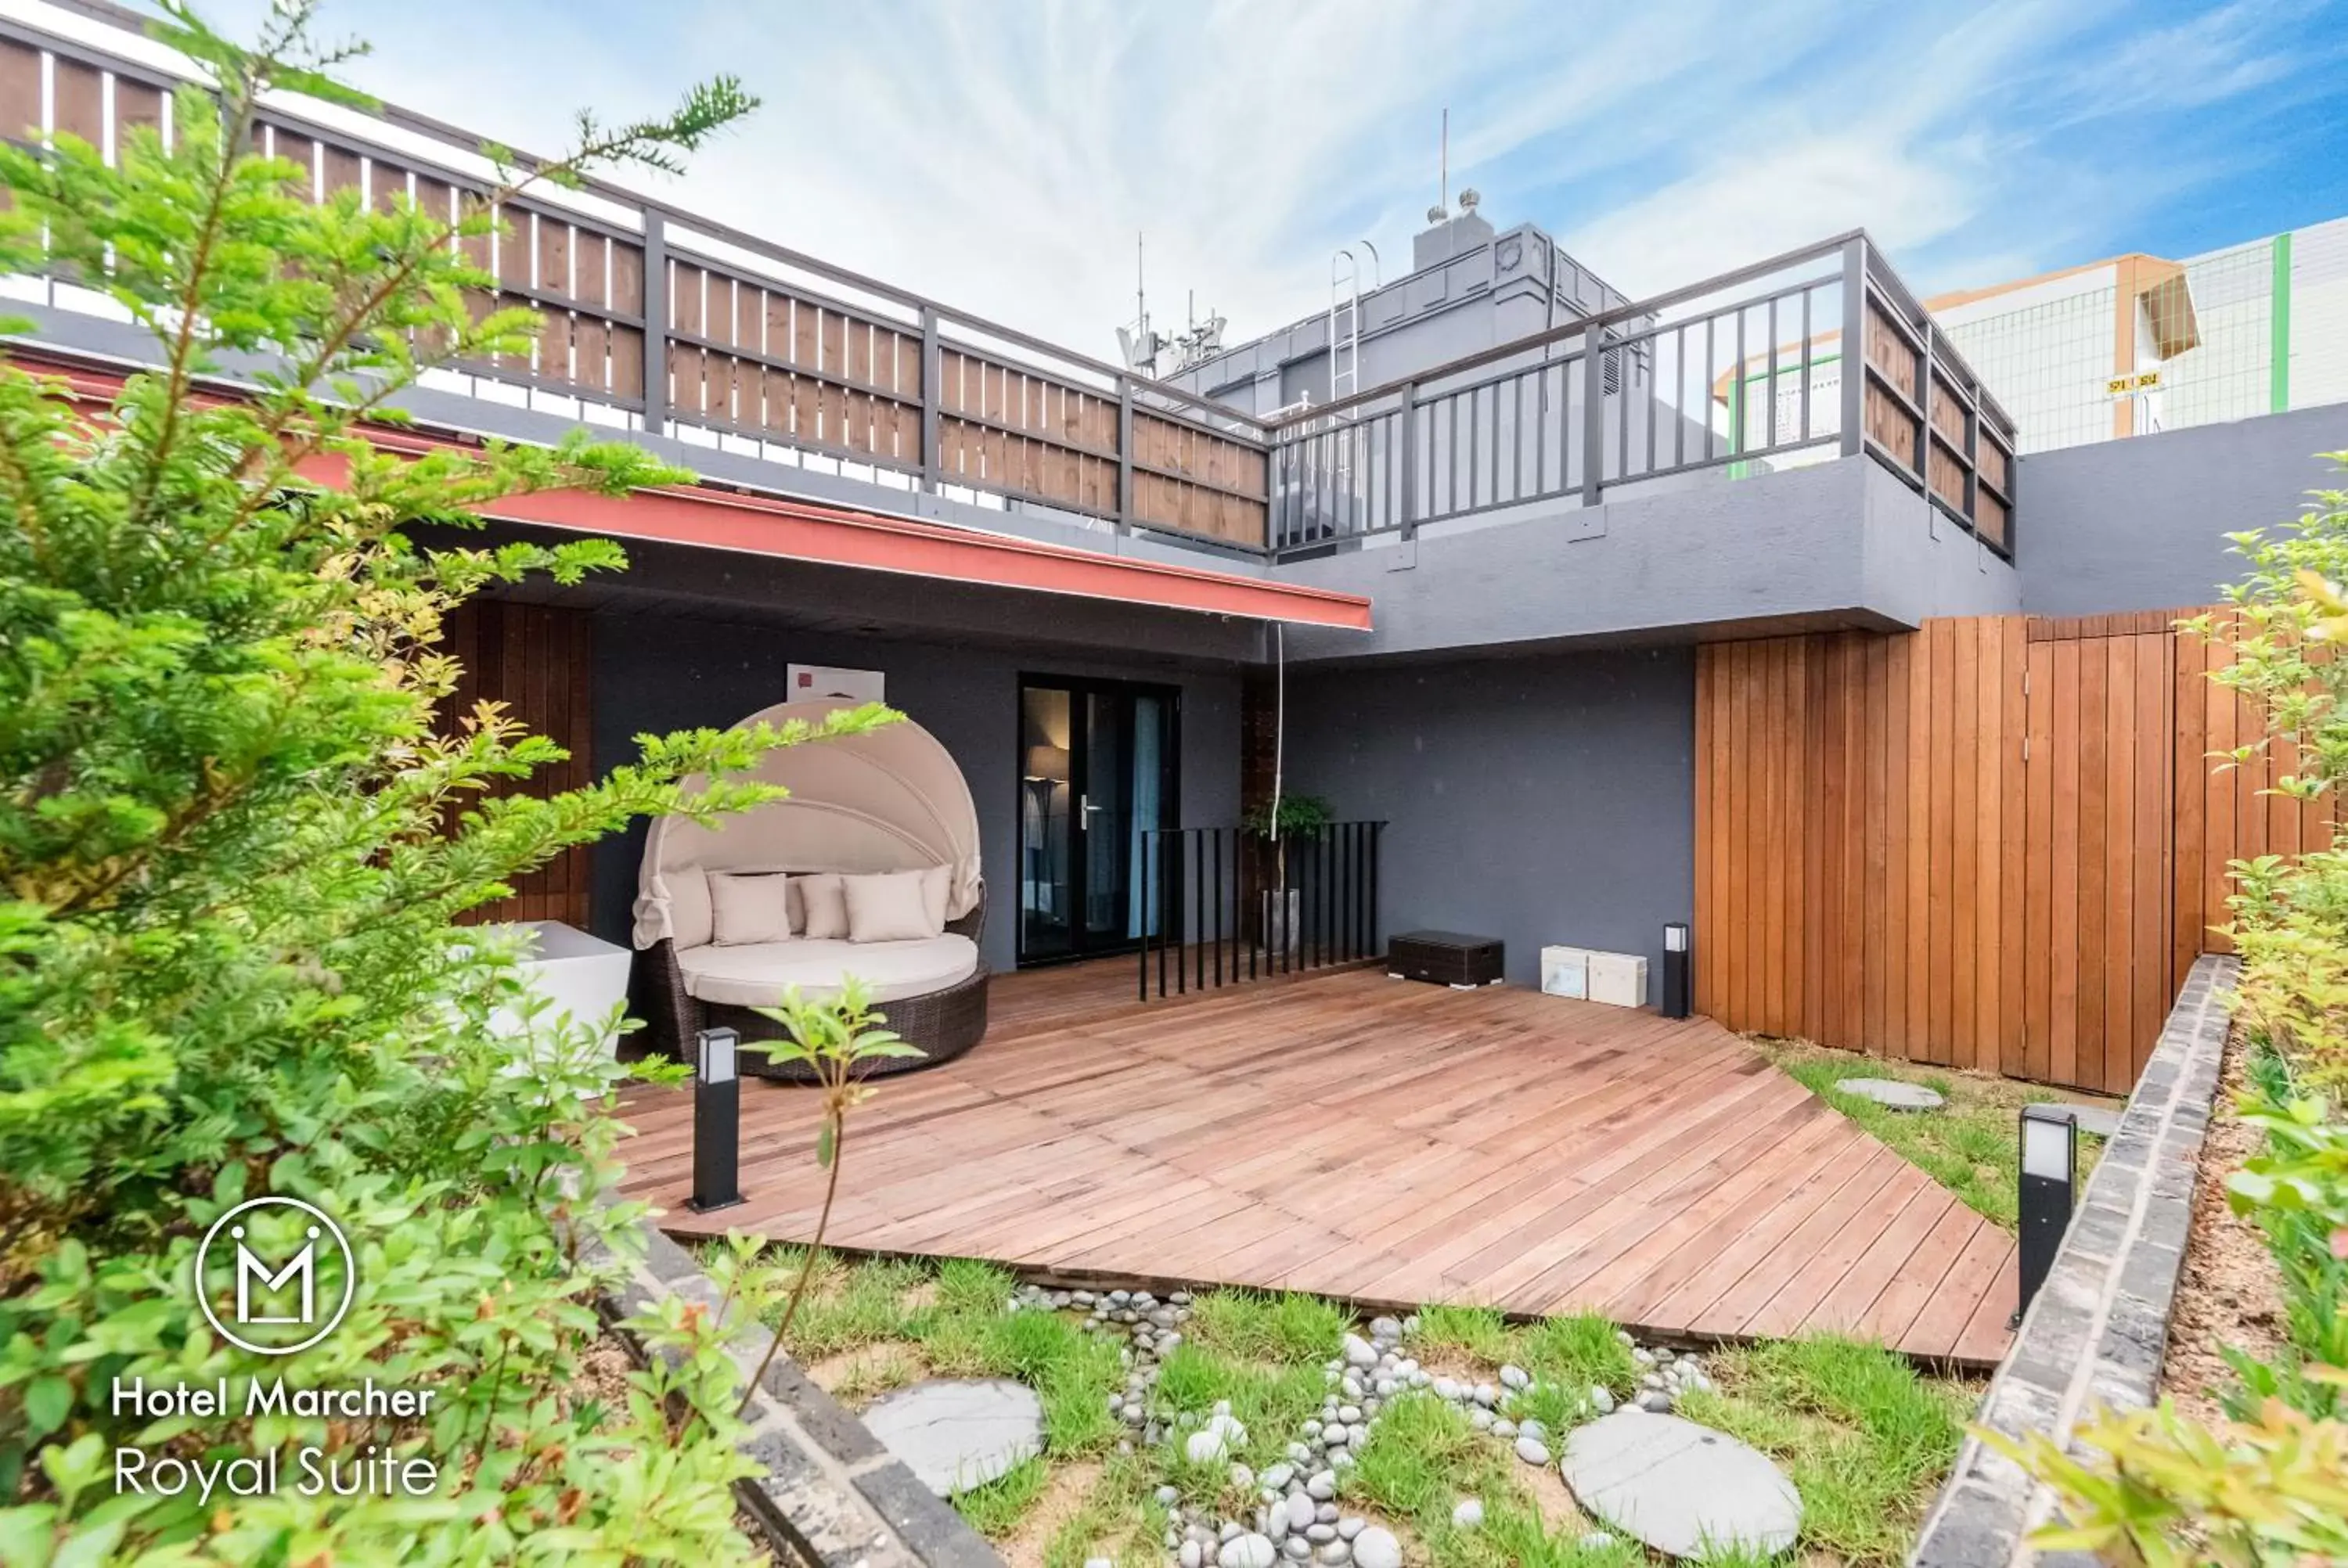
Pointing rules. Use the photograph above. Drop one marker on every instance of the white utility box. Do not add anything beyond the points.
(1619, 980)
(1565, 972)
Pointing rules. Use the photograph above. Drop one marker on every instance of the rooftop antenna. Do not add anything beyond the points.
(1441, 211)
(1139, 345)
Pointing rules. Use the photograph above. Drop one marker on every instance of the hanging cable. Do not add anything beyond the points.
(1279, 718)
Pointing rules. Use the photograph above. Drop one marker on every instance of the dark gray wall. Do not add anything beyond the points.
(660, 673)
(1548, 799)
(2140, 524)
(1842, 542)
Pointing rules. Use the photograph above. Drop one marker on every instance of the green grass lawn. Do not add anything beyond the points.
(1971, 1146)
(1865, 1437)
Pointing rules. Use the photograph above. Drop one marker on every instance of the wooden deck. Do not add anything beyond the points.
(1391, 1144)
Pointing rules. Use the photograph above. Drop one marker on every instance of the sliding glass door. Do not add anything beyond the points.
(1097, 771)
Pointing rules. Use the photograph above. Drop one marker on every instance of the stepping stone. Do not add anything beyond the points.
(1682, 1488)
(2094, 1121)
(955, 1434)
(1892, 1092)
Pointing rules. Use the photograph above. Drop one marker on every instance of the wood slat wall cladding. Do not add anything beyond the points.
(1995, 843)
(536, 660)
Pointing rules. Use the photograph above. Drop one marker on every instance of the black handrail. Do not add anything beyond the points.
(1222, 907)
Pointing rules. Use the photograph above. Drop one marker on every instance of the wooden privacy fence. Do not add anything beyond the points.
(682, 324)
(1994, 842)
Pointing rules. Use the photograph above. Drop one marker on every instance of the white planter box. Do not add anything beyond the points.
(581, 977)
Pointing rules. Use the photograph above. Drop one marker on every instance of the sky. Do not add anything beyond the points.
(1000, 156)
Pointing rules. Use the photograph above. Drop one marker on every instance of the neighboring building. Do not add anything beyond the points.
(2134, 343)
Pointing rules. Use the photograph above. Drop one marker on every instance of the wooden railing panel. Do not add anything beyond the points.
(77, 100)
(1889, 425)
(1196, 482)
(20, 88)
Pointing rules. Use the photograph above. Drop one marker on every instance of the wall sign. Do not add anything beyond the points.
(808, 682)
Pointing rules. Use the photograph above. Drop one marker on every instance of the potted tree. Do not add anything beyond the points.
(1277, 822)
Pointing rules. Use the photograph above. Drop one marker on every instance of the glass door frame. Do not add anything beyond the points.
(1081, 944)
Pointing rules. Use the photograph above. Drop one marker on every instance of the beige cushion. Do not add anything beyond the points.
(890, 906)
(755, 976)
(746, 908)
(689, 913)
(937, 889)
(823, 908)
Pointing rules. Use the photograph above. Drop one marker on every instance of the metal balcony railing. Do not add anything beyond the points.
(1745, 372)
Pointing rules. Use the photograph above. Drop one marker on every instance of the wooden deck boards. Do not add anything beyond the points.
(1392, 1143)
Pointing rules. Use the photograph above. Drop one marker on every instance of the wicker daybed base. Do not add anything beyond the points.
(942, 1024)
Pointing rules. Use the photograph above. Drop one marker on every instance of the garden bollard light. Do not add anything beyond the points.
(1676, 970)
(717, 1122)
(2050, 1163)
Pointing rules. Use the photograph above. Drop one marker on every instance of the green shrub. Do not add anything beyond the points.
(232, 842)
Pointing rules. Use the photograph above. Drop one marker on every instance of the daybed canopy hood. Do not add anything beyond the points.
(889, 800)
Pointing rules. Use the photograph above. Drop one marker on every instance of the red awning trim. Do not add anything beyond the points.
(842, 535)
(803, 531)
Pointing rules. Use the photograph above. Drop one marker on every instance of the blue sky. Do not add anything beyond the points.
(1001, 154)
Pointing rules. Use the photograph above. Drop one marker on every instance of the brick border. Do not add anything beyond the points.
(2097, 1332)
(832, 1496)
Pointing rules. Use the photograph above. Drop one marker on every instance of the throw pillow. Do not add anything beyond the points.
(823, 907)
(937, 890)
(688, 905)
(747, 908)
(888, 906)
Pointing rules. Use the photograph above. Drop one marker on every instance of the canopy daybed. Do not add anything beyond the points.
(870, 867)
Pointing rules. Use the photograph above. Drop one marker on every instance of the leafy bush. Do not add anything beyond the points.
(2265, 1486)
(2174, 1492)
(1295, 813)
(232, 842)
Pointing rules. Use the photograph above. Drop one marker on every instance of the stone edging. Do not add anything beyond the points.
(2097, 1332)
(832, 1495)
